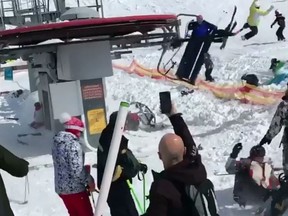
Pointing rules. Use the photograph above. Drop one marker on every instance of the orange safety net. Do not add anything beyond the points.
(244, 92)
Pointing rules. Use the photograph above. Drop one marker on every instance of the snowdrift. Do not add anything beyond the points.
(244, 92)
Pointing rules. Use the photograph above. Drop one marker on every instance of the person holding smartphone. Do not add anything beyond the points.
(173, 190)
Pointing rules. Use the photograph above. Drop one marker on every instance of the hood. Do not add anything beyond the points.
(106, 138)
(64, 137)
(187, 172)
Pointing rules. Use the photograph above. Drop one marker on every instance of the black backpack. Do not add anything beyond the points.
(203, 198)
(198, 200)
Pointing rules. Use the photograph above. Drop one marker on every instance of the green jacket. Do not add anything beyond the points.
(16, 167)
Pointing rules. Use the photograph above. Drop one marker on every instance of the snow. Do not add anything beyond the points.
(216, 124)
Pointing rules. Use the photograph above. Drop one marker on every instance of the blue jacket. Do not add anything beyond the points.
(200, 30)
(68, 158)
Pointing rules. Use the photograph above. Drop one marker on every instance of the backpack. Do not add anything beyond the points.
(203, 198)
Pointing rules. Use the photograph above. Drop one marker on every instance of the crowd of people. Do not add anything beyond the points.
(205, 33)
(183, 187)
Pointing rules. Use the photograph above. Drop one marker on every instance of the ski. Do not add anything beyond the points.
(32, 134)
(231, 26)
(37, 167)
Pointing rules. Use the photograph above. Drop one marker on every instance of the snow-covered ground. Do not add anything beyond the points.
(216, 124)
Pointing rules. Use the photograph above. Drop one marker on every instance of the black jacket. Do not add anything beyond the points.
(16, 167)
(166, 199)
(119, 198)
(280, 19)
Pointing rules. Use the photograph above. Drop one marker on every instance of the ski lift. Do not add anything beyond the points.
(171, 45)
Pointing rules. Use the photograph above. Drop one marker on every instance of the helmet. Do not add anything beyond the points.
(257, 151)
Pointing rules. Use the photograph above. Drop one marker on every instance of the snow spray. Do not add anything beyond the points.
(112, 157)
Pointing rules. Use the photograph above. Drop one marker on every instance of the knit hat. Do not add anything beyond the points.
(71, 122)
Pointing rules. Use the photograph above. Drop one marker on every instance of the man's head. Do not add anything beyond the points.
(257, 153)
(199, 19)
(171, 149)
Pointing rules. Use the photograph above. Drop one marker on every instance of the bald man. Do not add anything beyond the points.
(182, 168)
(171, 150)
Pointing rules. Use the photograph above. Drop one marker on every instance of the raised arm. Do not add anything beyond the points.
(181, 129)
(276, 123)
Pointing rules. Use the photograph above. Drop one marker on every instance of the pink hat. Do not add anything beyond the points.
(71, 123)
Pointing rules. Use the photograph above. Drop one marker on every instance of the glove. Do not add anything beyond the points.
(143, 168)
(265, 140)
(236, 149)
(271, 8)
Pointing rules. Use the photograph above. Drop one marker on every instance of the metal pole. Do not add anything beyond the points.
(112, 157)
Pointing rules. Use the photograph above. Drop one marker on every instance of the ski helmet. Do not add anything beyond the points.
(257, 151)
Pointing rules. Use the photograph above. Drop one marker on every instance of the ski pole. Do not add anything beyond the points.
(144, 192)
(135, 197)
(26, 190)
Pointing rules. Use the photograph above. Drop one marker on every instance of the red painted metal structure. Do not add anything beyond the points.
(112, 27)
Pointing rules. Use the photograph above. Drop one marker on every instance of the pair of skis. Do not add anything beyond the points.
(231, 26)
(26, 134)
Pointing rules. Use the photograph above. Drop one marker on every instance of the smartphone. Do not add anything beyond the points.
(165, 102)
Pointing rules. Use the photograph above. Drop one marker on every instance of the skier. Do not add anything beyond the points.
(278, 121)
(119, 199)
(280, 19)
(16, 167)
(182, 188)
(208, 66)
(72, 179)
(254, 19)
(250, 185)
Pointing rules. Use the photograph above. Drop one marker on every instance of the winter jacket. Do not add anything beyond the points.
(200, 30)
(126, 168)
(16, 167)
(68, 157)
(167, 194)
(253, 180)
(278, 121)
(255, 13)
(280, 19)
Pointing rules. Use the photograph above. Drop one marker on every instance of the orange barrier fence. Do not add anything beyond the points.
(243, 92)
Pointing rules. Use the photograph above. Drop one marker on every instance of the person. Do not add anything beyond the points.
(254, 177)
(280, 20)
(278, 121)
(16, 167)
(253, 20)
(173, 191)
(275, 65)
(127, 166)
(71, 177)
(208, 66)
(38, 116)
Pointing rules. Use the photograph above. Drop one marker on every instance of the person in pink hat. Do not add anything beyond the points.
(71, 177)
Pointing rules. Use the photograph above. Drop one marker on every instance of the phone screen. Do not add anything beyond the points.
(165, 102)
